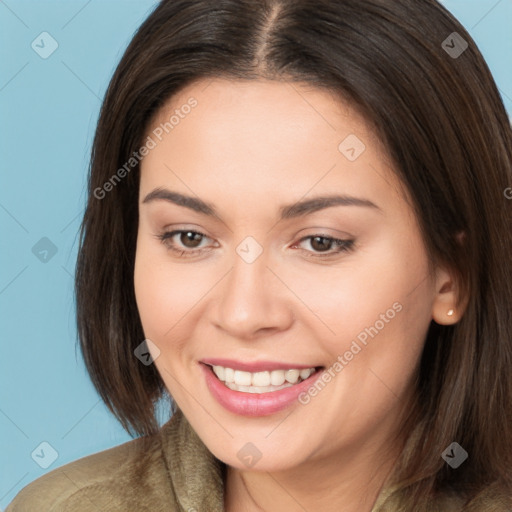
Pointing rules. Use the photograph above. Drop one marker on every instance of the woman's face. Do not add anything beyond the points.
(265, 287)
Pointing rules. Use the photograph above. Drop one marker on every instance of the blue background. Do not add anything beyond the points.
(48, 111)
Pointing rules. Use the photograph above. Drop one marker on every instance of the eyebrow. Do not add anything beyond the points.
(298, 209)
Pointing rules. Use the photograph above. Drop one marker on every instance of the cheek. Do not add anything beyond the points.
(377, 308)
(388, 318)
(166, 291)
(153, 288)
(377, 279)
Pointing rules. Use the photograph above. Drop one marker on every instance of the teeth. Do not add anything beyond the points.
(257, 389)
(220, 371)
(229, 374)
(250, 381)
(242, 378)
(292, 376)
(304, 374)
(261, 379)
(277, 377)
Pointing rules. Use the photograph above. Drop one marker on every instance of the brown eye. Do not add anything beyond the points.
(190, 239)
(324, 246)
(184, 242)
(321, 243)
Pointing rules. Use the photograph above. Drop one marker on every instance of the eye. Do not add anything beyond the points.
(325, 246)
(183, 241)
(186, 242)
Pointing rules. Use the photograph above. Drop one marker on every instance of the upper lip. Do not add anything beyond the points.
(254, 366)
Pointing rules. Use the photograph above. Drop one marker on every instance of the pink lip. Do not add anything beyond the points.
(255, 404)
(257, 366)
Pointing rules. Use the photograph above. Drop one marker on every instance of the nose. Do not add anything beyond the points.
(252, 301)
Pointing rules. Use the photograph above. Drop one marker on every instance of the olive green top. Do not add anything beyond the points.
(170, 471)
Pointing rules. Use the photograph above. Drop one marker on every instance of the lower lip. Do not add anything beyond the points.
(255, 404)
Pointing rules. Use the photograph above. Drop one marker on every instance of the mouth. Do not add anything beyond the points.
(265, 381)
(260, 393)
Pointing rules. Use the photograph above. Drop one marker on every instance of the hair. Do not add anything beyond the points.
(445, 128)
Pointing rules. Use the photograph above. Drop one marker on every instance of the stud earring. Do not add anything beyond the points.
(450, 312)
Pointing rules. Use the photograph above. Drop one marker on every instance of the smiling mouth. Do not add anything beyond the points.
(263, 381)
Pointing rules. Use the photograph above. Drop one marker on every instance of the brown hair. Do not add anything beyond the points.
(442, 121)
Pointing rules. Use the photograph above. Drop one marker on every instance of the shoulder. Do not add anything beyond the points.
(490, 498)
(132, 476)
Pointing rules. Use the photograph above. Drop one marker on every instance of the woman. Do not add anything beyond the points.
(298, 229)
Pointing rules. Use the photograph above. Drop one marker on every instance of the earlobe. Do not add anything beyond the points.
(448, 306)
(444, 311)
(446, 316)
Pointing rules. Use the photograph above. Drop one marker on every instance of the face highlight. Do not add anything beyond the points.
(272, 229)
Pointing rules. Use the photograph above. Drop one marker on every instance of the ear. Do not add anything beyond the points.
(448, 306)
(444, 311)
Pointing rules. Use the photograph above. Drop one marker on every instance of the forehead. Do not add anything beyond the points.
(274, 135)
(256, 104)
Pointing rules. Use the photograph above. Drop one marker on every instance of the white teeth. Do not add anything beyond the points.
(261, 379)
(277, 377)
(220, 372)
(266, 380)
(256, 389)
(229, 374)
(292, 376)
(304, 374)
(243, 378)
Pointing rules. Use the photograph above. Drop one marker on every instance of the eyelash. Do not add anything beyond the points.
(343, 246)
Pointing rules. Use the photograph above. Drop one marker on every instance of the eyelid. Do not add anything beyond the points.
(344, 245)
(169, 234)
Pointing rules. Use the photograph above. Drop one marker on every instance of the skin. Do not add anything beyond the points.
(249, 147)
